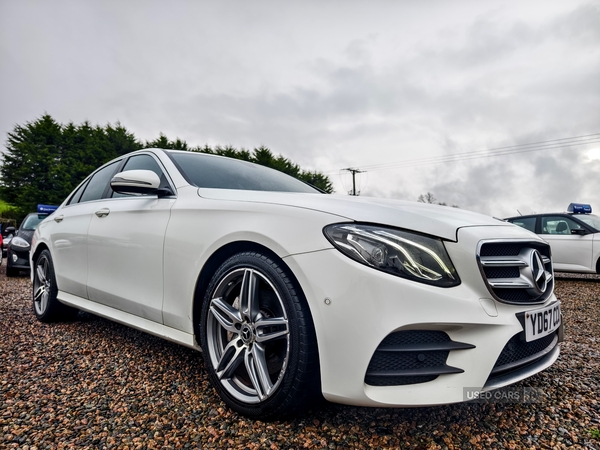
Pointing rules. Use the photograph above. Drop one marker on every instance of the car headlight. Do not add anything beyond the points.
(20, 243)
(405, 254)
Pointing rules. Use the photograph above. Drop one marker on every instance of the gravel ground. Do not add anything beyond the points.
(96, 384)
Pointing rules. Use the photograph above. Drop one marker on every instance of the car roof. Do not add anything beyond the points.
(562, 213)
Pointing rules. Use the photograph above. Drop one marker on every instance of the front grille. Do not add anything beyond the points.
(411, 357)
(500, 249)
(502, 272)
(517, 272)
(517, 352)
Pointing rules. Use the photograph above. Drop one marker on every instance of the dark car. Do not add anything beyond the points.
(19, 245)
(7, 235)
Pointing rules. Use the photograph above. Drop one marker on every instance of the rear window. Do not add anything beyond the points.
(210, 171)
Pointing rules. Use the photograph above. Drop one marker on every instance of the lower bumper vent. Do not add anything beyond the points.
(412, 357)
(518, 353)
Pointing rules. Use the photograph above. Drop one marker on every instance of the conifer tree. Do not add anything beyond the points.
(45, 160)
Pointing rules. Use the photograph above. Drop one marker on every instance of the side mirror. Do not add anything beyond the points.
(579, 231)
(135, 182)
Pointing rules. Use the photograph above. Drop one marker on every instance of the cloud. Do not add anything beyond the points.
(373, 84)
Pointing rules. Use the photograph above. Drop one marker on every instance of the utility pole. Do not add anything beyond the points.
(353, 172)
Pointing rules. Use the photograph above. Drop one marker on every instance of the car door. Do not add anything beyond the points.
(125, 248)
(69, 228)
(570, 252)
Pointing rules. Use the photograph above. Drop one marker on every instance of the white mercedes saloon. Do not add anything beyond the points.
(292, 294)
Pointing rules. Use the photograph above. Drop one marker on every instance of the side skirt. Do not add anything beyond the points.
(148, 326)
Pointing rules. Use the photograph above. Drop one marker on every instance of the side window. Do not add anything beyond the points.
(97, 184)
(142, 162)
(558, 225)
(528, 223)
(76, 197)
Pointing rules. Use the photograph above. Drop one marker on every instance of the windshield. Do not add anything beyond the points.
(32, 221)
(590, 219)
(210, 171)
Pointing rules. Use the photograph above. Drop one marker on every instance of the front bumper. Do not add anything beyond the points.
(355, 308)
(17, 259)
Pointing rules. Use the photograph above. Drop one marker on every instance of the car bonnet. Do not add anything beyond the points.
(26, 234)
(435, 220)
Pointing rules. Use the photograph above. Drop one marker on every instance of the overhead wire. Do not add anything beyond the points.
(497, 151)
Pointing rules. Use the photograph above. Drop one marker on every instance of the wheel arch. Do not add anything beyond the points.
(307, 349)
(39, 249)
(218, 258)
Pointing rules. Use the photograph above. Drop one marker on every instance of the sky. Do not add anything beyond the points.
(419, 96)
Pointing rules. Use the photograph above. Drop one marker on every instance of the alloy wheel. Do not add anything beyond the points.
(42, 285)
(248, 335)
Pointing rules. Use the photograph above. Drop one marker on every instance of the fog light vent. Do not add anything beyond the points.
(411, 357)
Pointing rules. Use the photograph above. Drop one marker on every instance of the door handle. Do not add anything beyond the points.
(59, 218)
(103, 212)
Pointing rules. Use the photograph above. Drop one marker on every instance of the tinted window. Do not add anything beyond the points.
(209, 171)
(527, 223)
(558, 225)
(143, 162)
(96, 186)
(77, 194)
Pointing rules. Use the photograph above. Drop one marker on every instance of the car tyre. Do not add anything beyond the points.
(11, 271)
(258, 338)
(46, 306)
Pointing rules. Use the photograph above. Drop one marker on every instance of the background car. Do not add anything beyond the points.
(574, 237)
(18, 246)
(292, 294)
(7, 235)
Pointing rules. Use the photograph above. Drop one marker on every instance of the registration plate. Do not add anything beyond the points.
(542, 322)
